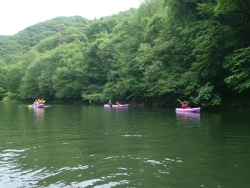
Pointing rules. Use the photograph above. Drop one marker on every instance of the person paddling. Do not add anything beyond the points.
(110, 103)
(39, 102)
(185, 105)
(35, 103)
(117, 103)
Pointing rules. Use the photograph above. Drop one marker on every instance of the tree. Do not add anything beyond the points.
(3, 71)
(238, 64)
(70, 78)
(29, 88)
(14, 75)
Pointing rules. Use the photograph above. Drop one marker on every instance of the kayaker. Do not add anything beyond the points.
(117, 103)
(185, 105)
(35, 103)
(110, 103)
(39, 102)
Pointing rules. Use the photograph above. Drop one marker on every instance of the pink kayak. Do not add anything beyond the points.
(117, 106)
(188, 109)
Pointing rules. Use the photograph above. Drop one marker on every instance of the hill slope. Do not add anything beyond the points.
(20, 43)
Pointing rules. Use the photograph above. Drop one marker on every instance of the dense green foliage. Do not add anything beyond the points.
(162, 51)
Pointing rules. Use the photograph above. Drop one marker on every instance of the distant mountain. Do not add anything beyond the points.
(32, 35)
(3, 37)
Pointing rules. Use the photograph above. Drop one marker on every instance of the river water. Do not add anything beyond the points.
(92, 146)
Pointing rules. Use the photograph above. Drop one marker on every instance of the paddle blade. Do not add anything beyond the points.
(43, 101)
(179, 100)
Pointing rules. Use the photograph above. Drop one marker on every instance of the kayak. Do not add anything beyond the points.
(188, 109)
(117, 106)
(38, 106)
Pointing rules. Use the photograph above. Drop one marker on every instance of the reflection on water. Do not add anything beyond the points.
(116, 109)
(38, 114)
(188, 119)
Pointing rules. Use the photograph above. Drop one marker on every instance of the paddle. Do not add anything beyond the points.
(179, 101)
(31, 105)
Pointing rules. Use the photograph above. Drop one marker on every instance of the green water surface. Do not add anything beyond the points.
(92, 146)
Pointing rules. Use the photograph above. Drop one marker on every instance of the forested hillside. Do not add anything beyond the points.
(165, 50)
